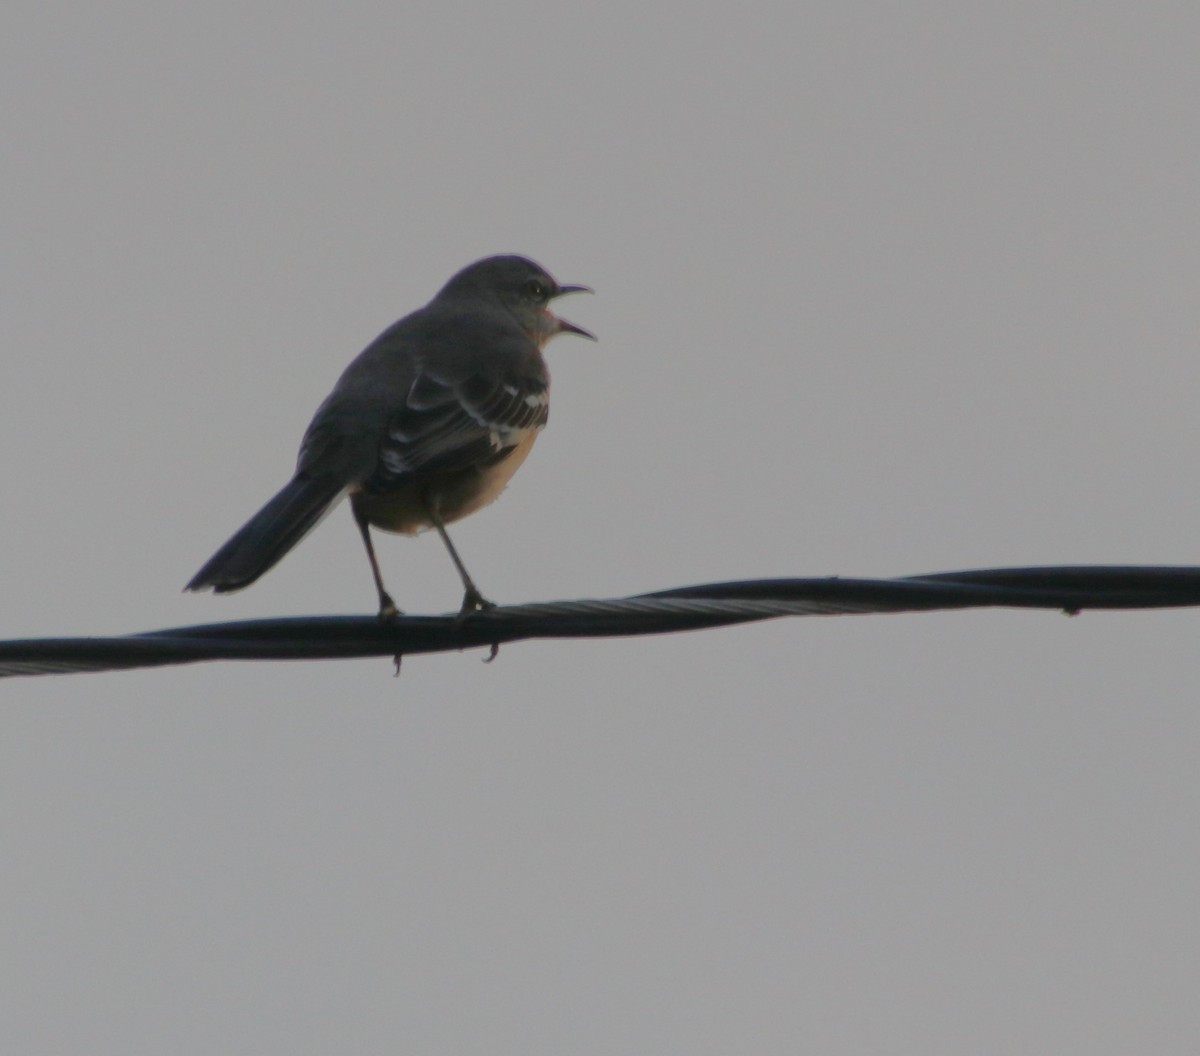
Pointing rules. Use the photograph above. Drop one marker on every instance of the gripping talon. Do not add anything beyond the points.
(473, 601)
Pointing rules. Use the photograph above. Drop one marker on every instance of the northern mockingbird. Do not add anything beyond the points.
(426, 426)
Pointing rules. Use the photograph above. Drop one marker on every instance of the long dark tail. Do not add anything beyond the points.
(268, 535)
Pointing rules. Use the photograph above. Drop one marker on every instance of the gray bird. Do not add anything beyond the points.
(427, 425)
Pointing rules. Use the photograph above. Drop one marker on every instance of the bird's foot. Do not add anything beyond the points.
(387, 608)
(473, 601)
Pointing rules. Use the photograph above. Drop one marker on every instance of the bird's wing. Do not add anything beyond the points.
(446, 425)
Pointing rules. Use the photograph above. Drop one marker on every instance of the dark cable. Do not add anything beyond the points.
(1071, 589)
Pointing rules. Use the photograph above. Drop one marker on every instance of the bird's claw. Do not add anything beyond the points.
(387, 608)
(473, 602)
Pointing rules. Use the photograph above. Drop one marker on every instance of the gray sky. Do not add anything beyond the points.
(881, 289)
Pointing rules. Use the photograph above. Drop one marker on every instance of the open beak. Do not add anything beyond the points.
(565, 327)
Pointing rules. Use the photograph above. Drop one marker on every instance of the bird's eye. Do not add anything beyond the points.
(536, 290)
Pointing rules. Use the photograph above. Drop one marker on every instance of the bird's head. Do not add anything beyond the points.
(524, 288)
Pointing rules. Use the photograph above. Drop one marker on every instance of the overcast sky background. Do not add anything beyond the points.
(882, 289)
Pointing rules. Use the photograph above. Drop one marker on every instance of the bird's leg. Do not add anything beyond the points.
(473, 601)
(387, 607)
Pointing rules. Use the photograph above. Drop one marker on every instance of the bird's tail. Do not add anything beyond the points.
(269, 534)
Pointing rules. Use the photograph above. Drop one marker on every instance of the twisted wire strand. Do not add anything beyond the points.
(1068, 588)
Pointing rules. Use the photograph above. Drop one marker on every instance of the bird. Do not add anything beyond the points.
(424, 427)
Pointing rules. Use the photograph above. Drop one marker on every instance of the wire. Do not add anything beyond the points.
(1071, 589)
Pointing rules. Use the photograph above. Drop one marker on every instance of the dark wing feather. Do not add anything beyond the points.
(446, 426)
